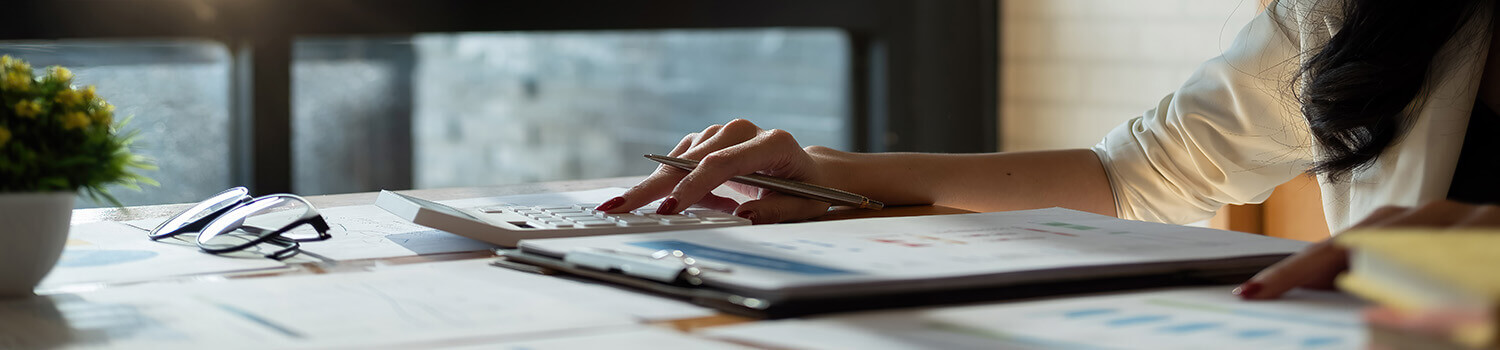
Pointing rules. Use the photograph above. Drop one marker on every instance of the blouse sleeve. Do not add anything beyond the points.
(1229, 135)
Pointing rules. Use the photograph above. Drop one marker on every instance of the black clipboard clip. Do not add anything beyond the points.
(666, 272)
(667, 266)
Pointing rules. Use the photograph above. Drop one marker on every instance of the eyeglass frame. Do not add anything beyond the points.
(292, 246)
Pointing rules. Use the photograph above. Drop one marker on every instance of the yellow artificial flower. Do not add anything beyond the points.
(4, 133)
(59, 74)
(17, 81)
(28, 109)
(12, 64)
(68, 98)
(88, 94)
(104, 115)
(75, 120)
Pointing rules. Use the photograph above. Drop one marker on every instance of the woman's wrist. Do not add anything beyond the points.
(886, 177)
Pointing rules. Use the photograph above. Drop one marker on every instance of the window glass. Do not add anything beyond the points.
(497, 108)
(176, 91)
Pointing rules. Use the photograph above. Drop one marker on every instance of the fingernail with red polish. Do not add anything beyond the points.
(1247, 290)
(611, 204)
(667, 206)
(748, 215)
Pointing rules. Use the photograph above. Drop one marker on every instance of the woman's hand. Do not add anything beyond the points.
(1316, 266)
(724, 151)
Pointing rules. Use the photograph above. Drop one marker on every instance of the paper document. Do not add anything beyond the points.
(111, 252)
(1182, 318)
(984, 248)
(68, 321)
(368, 232)
(390, 309)
(588, 295)
(633, 338)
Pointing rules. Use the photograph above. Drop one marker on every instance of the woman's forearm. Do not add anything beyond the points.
(1072, 179)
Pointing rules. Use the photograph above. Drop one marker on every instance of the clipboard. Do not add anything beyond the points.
(683, 286)
(784, 270)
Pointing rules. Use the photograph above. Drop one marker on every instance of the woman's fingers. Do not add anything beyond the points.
(656, 185)
(694, 146)
(776, 207)
(1441, 322)
(1317, 266)
(716, 202)
(1482, 216)
(1313, 267)
(773, 152)
(725, 151)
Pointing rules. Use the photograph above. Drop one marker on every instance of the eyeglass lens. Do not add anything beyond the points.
(199, 213)
(262, 220)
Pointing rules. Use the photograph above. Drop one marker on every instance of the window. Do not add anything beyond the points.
(322, 96)
(496, 108)
(177, 94)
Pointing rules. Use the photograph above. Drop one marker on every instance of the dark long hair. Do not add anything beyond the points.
(1359, 85)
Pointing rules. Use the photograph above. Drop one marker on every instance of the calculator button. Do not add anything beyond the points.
(530, 212)
(593, 223)
(674, 219)
(574, 216)
(607, 216)
(646, 210)
(494, 209)
(586, 206)
(723, 219)
(706, 213)
(557, 210)
(540, 216)
(636, 221)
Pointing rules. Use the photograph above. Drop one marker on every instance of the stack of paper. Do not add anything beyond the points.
(111, 252)
(1419, 271)
(391, 308)
(1185, 318)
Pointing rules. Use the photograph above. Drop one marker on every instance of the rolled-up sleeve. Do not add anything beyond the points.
(1229, 135)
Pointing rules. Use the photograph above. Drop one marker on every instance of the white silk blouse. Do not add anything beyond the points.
(1234, 130)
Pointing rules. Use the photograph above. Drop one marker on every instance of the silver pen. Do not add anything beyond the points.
(791, 187)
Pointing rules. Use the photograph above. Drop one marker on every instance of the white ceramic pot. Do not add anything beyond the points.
(33, 231)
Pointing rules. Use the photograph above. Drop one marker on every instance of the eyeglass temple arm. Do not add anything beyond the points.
(200, 223)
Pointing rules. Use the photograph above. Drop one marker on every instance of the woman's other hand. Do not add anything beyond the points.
(1319, 264)
(724, 151)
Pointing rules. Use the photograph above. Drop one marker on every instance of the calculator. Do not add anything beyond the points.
(506, 225)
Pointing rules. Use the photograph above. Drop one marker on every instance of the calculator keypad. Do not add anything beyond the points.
(583, 215)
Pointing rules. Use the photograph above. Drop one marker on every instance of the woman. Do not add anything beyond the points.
(1373, 96)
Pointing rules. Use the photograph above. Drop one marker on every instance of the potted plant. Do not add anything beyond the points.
(55, 140)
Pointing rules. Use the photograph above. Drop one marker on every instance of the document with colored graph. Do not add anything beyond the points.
(948, 251)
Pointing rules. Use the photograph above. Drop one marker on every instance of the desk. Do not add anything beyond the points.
(328, 201)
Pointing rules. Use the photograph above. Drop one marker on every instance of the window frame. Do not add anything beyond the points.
(923, 73)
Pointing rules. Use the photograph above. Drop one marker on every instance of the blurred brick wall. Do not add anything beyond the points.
(1073, 69)
(496, 108)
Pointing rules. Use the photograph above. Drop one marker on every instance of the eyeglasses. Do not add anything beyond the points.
(232, 221)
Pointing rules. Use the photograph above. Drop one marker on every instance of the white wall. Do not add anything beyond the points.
(1071, 70)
